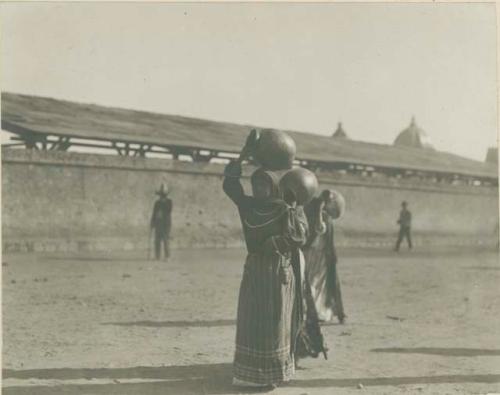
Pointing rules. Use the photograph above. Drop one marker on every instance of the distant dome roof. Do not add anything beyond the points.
(492, 155)
(413, 136)
(340, 132)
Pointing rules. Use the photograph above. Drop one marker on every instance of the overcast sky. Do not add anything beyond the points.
(294, 66)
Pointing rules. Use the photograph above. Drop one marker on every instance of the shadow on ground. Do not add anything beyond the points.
(482, 267)
(69, 258)
(447, 352)
(185, 324)
(214, 379)
(175, 324)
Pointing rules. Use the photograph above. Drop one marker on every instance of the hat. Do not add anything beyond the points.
(163, 191)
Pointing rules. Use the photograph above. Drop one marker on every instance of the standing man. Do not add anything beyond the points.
(404, 222)
(161, 222)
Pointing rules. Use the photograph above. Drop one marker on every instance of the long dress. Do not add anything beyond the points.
(321, 267)
(269, 308)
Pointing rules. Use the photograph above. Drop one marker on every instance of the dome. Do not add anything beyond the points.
(340, 133)
(413, 136)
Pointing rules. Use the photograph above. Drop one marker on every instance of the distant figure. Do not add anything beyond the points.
(404, 222)
(161, 222)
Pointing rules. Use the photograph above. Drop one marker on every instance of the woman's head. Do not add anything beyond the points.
(265, 184)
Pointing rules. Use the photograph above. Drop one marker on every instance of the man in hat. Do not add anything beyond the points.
(161, 222)
(404, 222)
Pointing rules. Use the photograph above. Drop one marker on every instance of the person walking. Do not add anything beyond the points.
(404, 222)
(161, 223)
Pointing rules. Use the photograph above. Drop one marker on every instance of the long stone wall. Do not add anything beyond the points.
(55, 201)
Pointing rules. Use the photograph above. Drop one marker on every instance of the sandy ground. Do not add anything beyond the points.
(418, 323)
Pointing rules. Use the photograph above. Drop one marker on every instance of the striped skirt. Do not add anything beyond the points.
(264, 324)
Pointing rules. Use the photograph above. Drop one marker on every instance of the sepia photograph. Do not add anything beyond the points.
(222, 198)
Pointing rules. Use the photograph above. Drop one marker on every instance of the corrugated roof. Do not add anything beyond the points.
(65, 118)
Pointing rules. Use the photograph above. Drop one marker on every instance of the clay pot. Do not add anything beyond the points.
(335, 206)
(302, 182)
(275, 150)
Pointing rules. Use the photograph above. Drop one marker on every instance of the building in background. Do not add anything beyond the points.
(492, 155)
(340, 132)
(89, 201)
(413, 136)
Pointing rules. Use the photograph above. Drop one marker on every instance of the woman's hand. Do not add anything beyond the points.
(250, 145)
(233, 169)
(326, 196)
(320, 224)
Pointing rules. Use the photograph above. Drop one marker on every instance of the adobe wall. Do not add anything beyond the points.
(54, 201)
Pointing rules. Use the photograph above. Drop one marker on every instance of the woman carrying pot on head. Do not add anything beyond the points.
(298, 186)
(266, 319)
(321, 257)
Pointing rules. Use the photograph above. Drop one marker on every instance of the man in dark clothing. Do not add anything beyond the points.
(404, 222)
(161, 222)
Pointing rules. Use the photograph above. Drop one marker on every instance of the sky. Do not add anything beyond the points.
(293, 66)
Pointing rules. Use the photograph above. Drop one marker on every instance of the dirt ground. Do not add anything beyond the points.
(425, 322)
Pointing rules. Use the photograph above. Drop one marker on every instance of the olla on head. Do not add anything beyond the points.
(275, 150)
(334, 204)
(299, 183)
